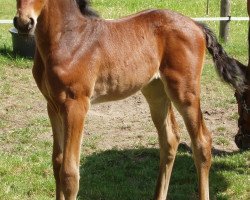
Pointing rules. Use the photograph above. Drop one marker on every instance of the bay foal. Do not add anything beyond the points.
(82, 59)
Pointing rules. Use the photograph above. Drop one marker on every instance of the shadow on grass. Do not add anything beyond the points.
(10, 55)
(131, 175)
(7, 53)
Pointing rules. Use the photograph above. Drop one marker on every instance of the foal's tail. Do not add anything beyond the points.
(229, 69)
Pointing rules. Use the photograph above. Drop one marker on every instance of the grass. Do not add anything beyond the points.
(120, 173)
(111, 175)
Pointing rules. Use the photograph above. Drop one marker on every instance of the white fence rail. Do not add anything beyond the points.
(6, 21)
(222, 19)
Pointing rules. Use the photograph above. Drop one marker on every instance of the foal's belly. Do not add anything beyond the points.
(119, 84)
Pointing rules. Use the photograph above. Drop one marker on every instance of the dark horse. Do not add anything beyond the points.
(82, 59)
(242, 139)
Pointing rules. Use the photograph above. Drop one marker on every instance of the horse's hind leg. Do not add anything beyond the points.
(182, 85)
(57, 156)
(163, 118)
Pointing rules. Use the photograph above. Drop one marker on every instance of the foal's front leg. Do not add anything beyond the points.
(58, 143)
(74, 112)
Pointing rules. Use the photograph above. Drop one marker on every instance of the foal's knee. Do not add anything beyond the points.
(70, 181)
(202, 150)
(57, 159)
(168, 149)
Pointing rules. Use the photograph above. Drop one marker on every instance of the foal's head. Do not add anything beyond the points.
(29, 10)
(27, 14)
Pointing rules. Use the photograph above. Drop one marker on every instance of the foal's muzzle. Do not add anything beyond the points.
(24, 24)
(242, 140)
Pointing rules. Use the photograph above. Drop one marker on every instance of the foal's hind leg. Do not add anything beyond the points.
(183, 88)
(163, 118)
(58, 139)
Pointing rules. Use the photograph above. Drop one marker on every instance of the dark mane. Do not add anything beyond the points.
(84, 6)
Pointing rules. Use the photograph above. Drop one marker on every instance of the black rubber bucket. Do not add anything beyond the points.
(23, 44)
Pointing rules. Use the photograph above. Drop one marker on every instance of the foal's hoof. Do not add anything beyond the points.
(242, 141)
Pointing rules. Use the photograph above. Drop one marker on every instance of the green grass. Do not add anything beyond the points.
(8, 9)
(26, 177)
(25, 138)
(131, 174)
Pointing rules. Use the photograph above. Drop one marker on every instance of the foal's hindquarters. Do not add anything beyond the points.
(180, 85)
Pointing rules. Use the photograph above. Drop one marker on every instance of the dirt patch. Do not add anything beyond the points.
(127, 123)
(123, 124)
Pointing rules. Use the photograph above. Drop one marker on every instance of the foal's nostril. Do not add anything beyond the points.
(31, 23)
(15, 22)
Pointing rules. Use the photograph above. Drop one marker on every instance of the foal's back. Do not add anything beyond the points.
(136, 50)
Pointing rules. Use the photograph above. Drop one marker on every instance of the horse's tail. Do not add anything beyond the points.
(229, 69)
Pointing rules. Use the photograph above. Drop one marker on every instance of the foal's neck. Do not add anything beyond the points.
(57, 17)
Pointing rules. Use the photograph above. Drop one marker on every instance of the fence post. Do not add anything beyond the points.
(224, 25)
